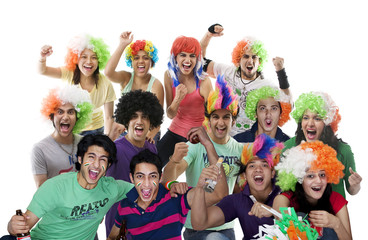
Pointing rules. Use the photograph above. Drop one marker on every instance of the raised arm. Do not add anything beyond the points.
(110, 70)
(215, 30)
(278, 62)
(43, 68)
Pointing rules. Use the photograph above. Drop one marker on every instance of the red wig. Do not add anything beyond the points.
(186, 44)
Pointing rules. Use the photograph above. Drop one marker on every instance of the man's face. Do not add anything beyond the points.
(220, 123)
(93, 166)
(146, 180)
(258, 175)
(138, 127)
(268, 115)
(64, 120)
(249, 64)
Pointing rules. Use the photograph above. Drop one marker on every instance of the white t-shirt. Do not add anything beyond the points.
(240, 87)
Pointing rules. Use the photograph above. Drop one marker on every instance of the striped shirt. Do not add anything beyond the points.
(163, 219)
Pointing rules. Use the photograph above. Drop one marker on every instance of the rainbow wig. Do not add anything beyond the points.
(318, 102)
(189, 45)
(81, 42)
(263, 147)
(266, 92)
(78, 97)
(257, 48)
(313, 156)
(221, 98)
(138, 45)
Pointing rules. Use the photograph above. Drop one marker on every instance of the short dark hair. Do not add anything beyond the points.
(146, 156)
(139, 101)
(96, 140)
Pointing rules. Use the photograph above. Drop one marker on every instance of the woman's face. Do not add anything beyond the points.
(141, 63)
(314, 185)
(186, 62)
(88, 62)
(312, 126)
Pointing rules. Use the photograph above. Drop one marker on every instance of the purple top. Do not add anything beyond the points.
(120, 170)
(238, 205)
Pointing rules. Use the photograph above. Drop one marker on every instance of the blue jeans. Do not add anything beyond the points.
(96, 131)
(226, 234)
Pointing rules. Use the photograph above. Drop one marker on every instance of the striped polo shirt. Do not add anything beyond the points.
(163, 219)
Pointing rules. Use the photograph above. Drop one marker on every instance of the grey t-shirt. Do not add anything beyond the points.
(49, 158)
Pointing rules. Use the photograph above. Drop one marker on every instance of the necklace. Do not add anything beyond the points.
(71, 157)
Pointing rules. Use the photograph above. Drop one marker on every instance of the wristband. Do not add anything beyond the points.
(283, 79)
(211, 29)
(169, 183)
(206, 63)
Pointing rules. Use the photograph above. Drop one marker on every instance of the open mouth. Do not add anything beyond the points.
(138, 130)
(268, 122)
(146, 193)
(316, 189)
(64, 127)
(87, 67)
(141, 68)
(311, 134)
(258, 179)
(93, 174)
(187, 66)
(249, 68)
(221, 130)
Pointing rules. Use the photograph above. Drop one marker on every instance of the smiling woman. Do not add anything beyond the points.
(186, 89)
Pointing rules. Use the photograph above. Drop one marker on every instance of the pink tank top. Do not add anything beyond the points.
(190, 113)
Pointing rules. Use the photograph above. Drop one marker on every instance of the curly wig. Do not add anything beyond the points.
(139, 101)
(266, 92)
(320, 103)
(190, 45)
(257, 48)
(79, 43)
(138, 45)
(78, 97)
(298, 160)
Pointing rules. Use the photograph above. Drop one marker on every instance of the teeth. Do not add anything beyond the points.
(94, 171)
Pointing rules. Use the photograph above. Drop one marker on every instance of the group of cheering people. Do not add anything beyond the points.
(113, 165)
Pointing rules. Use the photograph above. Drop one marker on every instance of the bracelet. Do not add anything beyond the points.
(169, 183)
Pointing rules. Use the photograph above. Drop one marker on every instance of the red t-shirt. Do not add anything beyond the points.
(336, 199)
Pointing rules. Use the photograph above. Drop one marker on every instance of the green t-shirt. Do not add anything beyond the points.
(344, 155)
(197, 160)
(69, 211)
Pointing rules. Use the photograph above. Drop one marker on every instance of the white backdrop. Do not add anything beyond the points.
(323, 43)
